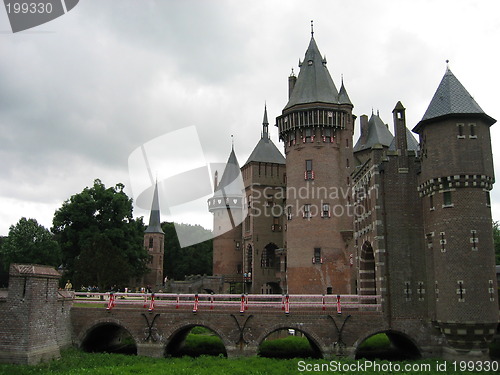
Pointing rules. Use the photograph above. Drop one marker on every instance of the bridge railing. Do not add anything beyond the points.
(241, 303)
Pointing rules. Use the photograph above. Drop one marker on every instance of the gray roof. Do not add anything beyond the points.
(266, 151)
(154, 217)
(411, 142)
(228, 184)
(343, 97)
(314, 83)
(451, 98)
(378, 134)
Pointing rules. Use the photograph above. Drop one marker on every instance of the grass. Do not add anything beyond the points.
(288, 347)
(75, 362)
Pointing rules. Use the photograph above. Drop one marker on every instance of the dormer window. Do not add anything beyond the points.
(310, 62)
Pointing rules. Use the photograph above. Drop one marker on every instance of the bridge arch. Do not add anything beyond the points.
(109, 335)
(400, 346)
(180, 331)
(314, 340)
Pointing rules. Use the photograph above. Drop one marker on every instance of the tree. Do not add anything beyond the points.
(101, 242)
(496, 240)
(191, 260)
(29, 242)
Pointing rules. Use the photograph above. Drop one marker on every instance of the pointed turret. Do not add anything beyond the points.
(154, 217)
(343, 97)
(228, 185)
(451, 99)
(314, 83)
(266, 151)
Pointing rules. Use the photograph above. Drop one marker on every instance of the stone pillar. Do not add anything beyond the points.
(28, 331)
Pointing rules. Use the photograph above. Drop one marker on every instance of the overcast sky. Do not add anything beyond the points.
(79, 94)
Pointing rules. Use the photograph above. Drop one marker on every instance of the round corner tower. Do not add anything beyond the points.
(227, 208)
(454, 185)
(316, 127)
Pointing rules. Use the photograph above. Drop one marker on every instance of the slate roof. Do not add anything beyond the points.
(266, 151)
(229, 181)
(451, 98)
(378, 133)
(154, 217)
(314, 83)
(411, 142)
(343, 97)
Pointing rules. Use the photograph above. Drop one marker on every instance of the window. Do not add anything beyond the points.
(327, 135)
(237, 245)
(326, 210)
(473, 239)
(151, 242)
(307, 211)
(289, 213)
(460, 128)
(276, 227)
(429, 240)
(317, 256)
(309, 173)
(442, 242)
(488, 199)
(292, 139)
(431, 202)
(472, 129)
(460, 291)
(447, 199)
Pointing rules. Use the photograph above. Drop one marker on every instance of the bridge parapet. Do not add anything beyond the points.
(232, 302)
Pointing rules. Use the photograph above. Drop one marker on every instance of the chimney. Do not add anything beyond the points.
(363, 120)
(398, 114)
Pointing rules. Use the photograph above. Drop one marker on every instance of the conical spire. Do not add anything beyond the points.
(314, 83)
(343, 97)
(451, 98)
(154, 217)
(226, 186)
(265, 125)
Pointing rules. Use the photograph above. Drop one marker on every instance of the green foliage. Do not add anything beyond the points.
(379, 341)
(288, 347)
(206, 343)
(101, 242)
(76, 362)
(29, 242)
(192, 260)
(496, 240)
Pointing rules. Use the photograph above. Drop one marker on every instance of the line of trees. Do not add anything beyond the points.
(95, 240)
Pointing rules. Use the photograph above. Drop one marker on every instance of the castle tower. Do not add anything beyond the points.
(154, 243)
(227, 207)
(263, 177)
(456, 177)
(316, 127)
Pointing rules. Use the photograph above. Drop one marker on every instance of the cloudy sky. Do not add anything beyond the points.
(79, 94)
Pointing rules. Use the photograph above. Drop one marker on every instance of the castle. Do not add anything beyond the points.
(387, 215)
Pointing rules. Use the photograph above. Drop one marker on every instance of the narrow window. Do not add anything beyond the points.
(289, 213)
(447, 199)
(460, 128)
(431, 202)
(308, 135)
(151, 243)
(327, 135)
(488, 199)
(307, 211)
(472, 128)
(461, 291)
(317, 256)
(473, 239)
(326, 210)
(442, 242)
(309, 173)
(407, 291)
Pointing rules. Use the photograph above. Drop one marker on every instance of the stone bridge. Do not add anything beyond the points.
(334, 325)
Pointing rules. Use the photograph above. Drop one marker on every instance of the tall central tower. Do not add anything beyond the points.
(316, 127)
